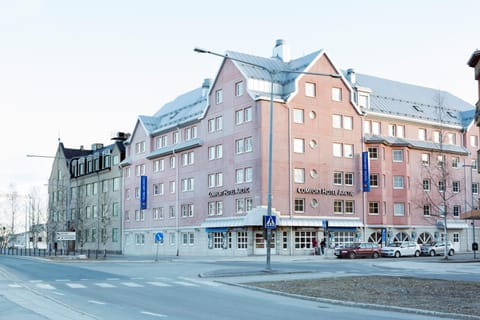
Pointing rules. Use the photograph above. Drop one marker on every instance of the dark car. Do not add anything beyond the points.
(359, 249)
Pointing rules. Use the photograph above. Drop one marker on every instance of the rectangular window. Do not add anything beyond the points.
(349, 206)
(422, 134)
(215, 124)
(426, 185)
(451, 138)
(139, 239)
(456, 210)
(336, 94)
(347, 123)
(426, 210)
(475, 188)
(337, 178)
(375, 127)
(242, 240)
(336, 121)
(374, 180)
(337, 206)
(299, 205)
(298, 116)
(187, 210)
(298, 145)
(188, 158)
(425, 159)
(474, 141)
(188, 184)
(337, 150)
(436, 136)
(299, 175)
(348, 178)
(218, 96)
(348, 150)
(455, 162)
(140, 147)
(398, 209)
(398, 182)
(364, 101)
(190, 133)
(397, 155)
(310, 89)
(373, 208)
(456, 186)
(239, 89)
(441, 186)
(373, 153)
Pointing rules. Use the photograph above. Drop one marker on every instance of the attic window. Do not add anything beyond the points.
(451, 114)
(417, 108)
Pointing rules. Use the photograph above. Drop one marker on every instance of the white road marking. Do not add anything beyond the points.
(58, 293)
(14, 285)
(62, 280)
(104, 285)
(45, 286)
(112, 279)
(96, 302)
(132, 284)
(159, 315)
(75, 285)
(159, 284)
(202, 282)
(186, 284)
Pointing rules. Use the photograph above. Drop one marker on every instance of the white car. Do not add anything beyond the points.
(401, 249)
(437, 249)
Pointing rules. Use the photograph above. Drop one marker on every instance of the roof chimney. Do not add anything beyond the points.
(206, 86)
(281, 51)
(351, 76)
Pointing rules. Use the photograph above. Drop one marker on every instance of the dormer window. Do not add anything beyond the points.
(364, 100)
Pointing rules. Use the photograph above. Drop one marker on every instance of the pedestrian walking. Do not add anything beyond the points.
(322, 246)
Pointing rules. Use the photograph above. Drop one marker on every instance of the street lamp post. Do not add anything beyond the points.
(271, 74)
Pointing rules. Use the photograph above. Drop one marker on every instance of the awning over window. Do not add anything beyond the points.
(453, 224)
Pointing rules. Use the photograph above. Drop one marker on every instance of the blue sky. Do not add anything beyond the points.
(81, 70)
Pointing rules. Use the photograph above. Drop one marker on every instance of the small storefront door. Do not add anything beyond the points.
(260, 244)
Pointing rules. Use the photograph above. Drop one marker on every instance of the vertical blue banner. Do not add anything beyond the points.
(143, 192)
(365, 172)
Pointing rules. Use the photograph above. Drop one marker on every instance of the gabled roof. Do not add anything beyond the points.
(412, 101)
(184, 109)
(284, 82)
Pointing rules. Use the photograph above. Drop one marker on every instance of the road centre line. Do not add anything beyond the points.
(159, 315)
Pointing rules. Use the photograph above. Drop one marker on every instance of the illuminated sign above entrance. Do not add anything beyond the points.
(231, 192)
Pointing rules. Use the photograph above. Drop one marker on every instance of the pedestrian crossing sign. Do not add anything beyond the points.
(270, 222)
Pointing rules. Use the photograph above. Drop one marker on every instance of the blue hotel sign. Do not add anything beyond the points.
(365, 172)
(143, 192)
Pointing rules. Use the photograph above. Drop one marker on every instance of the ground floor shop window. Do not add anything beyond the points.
(375, 237)
(242, 240)
(424, 237)
(285, 240)
(343, 237)
(304, 239)
(217, 240)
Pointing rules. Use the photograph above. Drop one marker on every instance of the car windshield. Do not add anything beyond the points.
(394, 244)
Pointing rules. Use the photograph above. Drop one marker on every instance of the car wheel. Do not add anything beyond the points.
(375, 255)
(397, 254)
(451, 252)
(417, 253)
(432, 253)
(352, 255)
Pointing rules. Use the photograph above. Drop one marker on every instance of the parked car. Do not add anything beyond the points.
(401, 249)
(437, 249)
(358, 249)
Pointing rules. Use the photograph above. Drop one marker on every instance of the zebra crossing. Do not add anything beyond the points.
(112, 283)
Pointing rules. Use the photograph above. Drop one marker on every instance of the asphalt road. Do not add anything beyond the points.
(33, 288)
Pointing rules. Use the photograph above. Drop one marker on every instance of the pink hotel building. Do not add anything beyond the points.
(204, 162)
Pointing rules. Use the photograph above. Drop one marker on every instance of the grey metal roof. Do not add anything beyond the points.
(284, 73)
(407, 100)
(184, 109)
